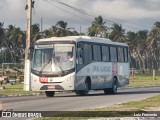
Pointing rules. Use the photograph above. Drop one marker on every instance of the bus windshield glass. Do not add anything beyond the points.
(51, 60)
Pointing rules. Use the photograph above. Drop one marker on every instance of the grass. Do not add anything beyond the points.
(144, 104)
(139, 80)
(135, 105)
(14, 90)
(144, 80)
(120, 110)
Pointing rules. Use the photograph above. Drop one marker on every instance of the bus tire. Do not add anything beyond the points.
(113, 90)
(85, 91)
(77, 92)
(49, 93)
(107, 91)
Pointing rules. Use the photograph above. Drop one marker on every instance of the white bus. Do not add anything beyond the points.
(79, 64)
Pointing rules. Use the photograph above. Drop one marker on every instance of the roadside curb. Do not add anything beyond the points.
(139, 87)
(38, 94)
(21, 95)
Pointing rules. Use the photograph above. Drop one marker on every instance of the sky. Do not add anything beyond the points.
(133, 15)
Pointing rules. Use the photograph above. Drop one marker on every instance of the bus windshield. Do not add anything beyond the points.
(56, 59)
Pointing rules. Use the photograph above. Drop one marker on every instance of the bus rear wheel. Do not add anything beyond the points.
(49, 93)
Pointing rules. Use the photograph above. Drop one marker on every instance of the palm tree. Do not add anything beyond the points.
(98, 27)
(153, 43)
(14, 42)
(61, 28)
(117, 33)
(1, 34)
(62, 24)
(141, 48)
(138, 47)
(131, 40)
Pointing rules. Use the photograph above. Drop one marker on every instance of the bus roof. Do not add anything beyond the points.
(81, 38)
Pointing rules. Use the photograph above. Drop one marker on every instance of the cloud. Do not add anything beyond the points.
(142, 12)
(52, 12)
(128, 9)
(13, 12)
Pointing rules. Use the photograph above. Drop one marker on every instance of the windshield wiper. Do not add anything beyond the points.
(45, 65)
(57, 63)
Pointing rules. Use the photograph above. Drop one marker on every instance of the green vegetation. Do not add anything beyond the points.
(120, 110)
(143, 104)
(144, 80)
(16, 89)
(144, 45)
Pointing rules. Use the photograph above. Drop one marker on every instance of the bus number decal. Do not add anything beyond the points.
(101, 68)
(43, 80)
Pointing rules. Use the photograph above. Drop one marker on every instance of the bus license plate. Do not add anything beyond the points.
(51, 87)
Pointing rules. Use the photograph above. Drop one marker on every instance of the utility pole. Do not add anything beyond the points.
(27, 80)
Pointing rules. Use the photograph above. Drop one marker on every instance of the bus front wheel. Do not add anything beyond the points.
(85, 91)
(49, 93)
(112, 90)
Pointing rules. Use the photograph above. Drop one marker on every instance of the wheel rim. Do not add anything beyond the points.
(115, 87)
(86, 88)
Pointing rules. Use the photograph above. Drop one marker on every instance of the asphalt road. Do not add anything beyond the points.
(71, 102)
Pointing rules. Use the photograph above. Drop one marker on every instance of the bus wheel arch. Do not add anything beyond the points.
(87, 83)
(87, 86)
(113, 89)
(114, 85)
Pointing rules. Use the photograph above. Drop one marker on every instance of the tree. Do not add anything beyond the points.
(131, 38)
(61, 24)
(14, 42)
(138, 47)
(35, 33)
(117, 33)
(153, 45)
(98, 27)
(141, 48)
(1, 33)
(47, 33)
(60, 30)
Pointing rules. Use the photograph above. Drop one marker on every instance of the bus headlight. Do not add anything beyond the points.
(33, 79)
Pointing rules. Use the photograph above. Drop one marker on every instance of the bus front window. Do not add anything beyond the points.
(60, 58)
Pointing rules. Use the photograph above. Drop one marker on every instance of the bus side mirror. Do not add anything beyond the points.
(31, 50)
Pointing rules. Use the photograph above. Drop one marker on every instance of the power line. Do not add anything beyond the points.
(61, 7)
(139, 27)
(83, 12)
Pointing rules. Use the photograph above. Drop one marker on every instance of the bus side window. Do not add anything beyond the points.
(79, 54)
